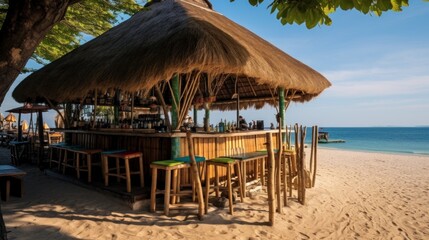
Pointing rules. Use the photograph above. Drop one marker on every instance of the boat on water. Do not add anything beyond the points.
(323, 137)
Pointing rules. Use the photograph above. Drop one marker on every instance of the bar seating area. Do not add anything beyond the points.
(141, 103)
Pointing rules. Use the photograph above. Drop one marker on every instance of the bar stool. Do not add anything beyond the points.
(200, 161)
(168, 166)
(227, 163)
(126, 156)
(80, 153)
(59, 147)
(86, 165)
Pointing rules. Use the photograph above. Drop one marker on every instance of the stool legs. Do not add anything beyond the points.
(167, 192)
(242, 187)
(105, 165)
(229, 183)
(175, 186)
(208, 187)
(228, 172)
(141, 171)
(128, 174)
(153, 190)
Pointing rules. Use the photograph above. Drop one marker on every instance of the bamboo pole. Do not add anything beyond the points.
(164, 107)
(196, 176)
(95, 108)
(302, 163)
(132, 109)
(282, 166)
(298, 164)
(19, 127)
(278, 167)
(41, 139)
(270, 185)
(316, 137)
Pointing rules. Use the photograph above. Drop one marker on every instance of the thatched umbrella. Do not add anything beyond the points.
(174, 37)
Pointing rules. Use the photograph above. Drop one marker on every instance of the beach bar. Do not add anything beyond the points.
(133, 87)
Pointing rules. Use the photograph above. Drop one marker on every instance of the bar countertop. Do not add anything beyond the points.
(152, 133)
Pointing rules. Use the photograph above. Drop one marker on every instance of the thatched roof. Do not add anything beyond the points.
(170, 37)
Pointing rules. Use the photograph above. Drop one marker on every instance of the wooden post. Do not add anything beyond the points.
(278, 168)
(41, 139)
(196, 176)
(195, 115)
(95, 108)
(164, 107)
(302, 165)
(298, 161)
(270, 185)
(175, 108)
(116, 104)
(314, 147)
(281, 92)
(238, 110)
(19, 127)
(207, 117)
(132, 109)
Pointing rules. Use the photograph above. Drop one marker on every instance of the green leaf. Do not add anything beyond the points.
(253, 2)
(346, 4)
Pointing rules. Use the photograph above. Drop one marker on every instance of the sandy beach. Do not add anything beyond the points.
(358, 195)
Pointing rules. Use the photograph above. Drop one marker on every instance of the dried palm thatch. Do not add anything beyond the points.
(173, 37)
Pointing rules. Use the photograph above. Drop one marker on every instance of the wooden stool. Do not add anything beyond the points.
(59, 147)
(200, 161)
(227, 163)
(76, 161)
(168, 166)
(126, 156)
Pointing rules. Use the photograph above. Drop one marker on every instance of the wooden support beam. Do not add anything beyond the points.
(270, 185)
(196, 176)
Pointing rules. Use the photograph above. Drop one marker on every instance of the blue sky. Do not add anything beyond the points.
(378, 66)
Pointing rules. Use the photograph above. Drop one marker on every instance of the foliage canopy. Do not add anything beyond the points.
(84, 18)
(314, 12)
(90, 18)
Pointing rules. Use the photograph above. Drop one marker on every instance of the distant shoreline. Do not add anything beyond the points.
(375, 151)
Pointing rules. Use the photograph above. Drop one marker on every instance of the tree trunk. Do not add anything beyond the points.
(26, 24)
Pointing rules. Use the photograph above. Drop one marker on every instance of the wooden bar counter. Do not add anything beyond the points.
(157, 146)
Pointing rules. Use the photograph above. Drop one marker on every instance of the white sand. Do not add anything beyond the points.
(357, 195)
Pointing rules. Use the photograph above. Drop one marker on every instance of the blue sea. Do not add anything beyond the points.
(408, 140)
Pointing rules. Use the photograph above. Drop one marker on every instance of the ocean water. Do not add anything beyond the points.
(410, 140)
